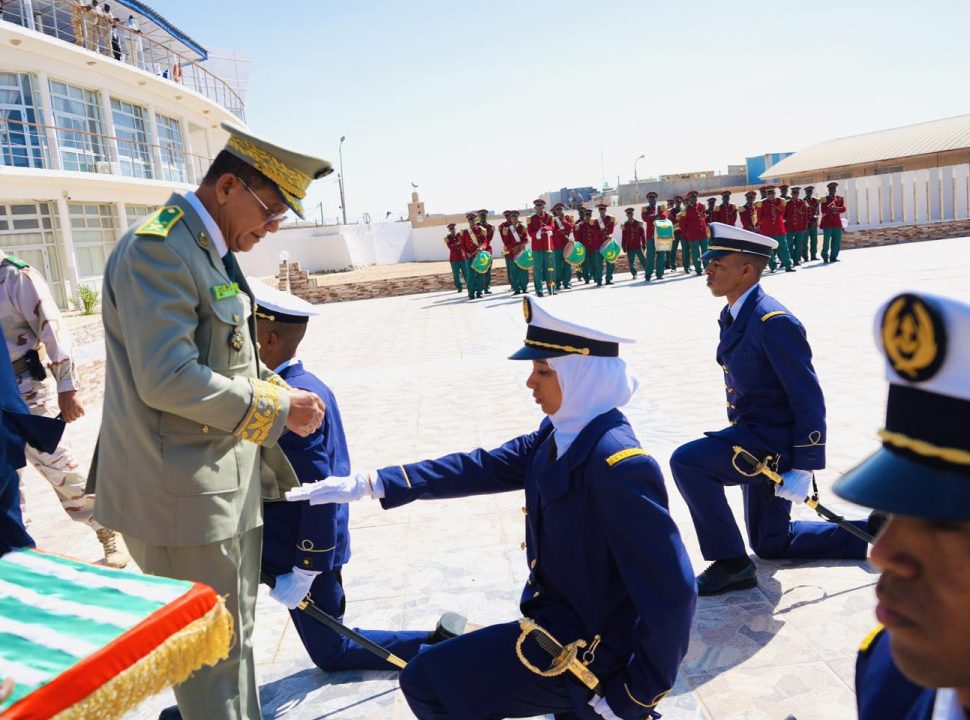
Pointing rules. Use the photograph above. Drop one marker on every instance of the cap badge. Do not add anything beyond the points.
(527, 310)
(914, 337)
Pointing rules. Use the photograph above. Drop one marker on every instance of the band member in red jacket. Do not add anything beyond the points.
(583, 233)
(726, 212)
(674, 206)
(562, 228)
(649, 214)
(709, 211)
(796, 222)
(771, 222)
(832, 207)
(487, 245)
(456, 256)
(812, 203)
(514, 240)
(748, 213)
(540, 232)
(693, 232)
(472, 239)
(634, 242)
(602, 226)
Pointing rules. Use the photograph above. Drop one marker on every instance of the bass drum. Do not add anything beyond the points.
(482, 262)
(524, 258)
(574, 253)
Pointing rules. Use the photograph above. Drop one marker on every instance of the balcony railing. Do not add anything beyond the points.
(30, 145)
(59, 19)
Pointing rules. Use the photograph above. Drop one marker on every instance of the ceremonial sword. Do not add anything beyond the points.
(564, 657)
(309, 607)
(761, 467)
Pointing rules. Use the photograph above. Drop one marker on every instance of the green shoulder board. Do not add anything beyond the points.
(160, 224)
(16, 262)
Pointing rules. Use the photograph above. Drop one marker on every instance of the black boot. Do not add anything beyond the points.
(450, 625)
(724, 576)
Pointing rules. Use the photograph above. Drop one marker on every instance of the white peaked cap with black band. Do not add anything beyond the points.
(278, 305)
(547, 336)
(727, 239)
(923, 467)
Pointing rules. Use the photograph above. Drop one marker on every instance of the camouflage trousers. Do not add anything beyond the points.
(59, 468)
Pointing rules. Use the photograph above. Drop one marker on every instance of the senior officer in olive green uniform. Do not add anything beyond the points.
(187, 450)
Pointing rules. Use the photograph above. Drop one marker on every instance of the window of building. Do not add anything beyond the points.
(22, 141)
(29, 231)
(173, 152)
(136, 213)
(134, 153)
(95, 231)
(79, 129)
(887, 170)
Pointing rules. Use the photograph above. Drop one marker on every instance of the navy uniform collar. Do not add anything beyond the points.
(555, 480)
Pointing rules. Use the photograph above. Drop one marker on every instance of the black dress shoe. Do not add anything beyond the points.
(450, 625)
(790, 270)
(719, 579)
(488, 292)
(170, 713)
(877, 519)
(814, 257)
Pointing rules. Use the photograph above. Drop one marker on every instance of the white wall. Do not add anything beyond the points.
(907, 198)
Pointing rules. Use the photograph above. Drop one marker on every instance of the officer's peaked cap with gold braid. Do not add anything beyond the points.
(923, 467)
(280, 306)
(288, 171)
(547, 336)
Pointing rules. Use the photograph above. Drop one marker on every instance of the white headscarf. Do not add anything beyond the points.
(590, 387)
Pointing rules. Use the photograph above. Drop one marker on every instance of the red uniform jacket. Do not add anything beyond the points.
(562, 228)
(489, 234)
(796, 216)
(749, 217)
(541, 240)
(771, 217)
(648, 216)
(600, 235)
(583, 233)
(512, 243)
(455, 253)
(727, 214)
(471, 241)
(634, 237)
(692, 221)
(831, 208)
(812, 211)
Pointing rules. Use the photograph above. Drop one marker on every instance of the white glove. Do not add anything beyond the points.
(338, 489)
(796, 485)
(291, 588)
(602, 709)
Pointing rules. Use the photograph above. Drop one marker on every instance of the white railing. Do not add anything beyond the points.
(912, 197)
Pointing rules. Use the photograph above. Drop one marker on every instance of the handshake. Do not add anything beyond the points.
(337, 489)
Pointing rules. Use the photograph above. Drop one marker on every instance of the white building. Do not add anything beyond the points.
(97, 131)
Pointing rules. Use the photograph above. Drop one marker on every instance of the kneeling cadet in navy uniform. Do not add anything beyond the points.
(775, 407)
(305, 547)
(610, 581)
(917, 666)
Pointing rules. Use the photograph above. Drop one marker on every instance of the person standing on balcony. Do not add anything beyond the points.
(78, 11)
(111, 29)
(188, 445)
(32, 326)
(90, 18)
(102, 14)
(136, 50)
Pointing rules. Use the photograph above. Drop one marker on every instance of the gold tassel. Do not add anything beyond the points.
(205, 641)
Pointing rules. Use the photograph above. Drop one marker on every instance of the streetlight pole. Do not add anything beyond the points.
(636, 181)
(340, 177)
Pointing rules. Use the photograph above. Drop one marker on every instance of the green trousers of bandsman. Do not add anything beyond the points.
(813, 239)
(560, 268)
(587, 267)
(798, 245)
(544, 272)
(458, 273)
(518, 278)
(781, 252)
(476, 281)
(831, 243)
(672, 255)
(692, 254)
(632, 256)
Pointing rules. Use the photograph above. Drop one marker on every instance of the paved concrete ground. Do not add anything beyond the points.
(419, 376)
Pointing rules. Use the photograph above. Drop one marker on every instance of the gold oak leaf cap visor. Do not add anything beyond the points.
(547, 336)
(289, 172)
(923, 467)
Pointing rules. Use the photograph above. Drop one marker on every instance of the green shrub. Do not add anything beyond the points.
(87, 299)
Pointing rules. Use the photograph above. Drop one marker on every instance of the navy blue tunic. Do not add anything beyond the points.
(775, 407)
(884, 693)
(315, 537)
(606, 560)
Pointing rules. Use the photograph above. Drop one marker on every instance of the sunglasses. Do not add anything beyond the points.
(271, 217)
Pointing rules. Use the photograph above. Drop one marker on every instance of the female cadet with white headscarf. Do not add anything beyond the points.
(610, 582)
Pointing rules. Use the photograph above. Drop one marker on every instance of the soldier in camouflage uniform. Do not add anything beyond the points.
(30, 320)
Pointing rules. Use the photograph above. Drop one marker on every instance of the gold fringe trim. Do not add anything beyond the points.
(921, 447)
(205, 641)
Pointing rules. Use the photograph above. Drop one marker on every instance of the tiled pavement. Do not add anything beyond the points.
(418, 376)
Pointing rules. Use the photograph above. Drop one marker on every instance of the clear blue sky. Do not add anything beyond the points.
(487, 104)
